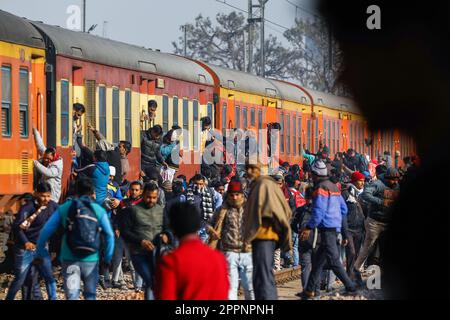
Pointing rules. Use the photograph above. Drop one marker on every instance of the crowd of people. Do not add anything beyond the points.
(199, 238)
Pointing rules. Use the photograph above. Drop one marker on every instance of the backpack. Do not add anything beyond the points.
(82, 228)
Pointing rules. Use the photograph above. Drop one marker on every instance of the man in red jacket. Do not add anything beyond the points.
(193, 271)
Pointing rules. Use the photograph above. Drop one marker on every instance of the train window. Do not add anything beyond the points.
(324, 134)
(260, 120)
(209, 109)
(308, 134)
(252, 116)
(338, 138)
(186, 122)
(334, 137)
(237, 117)
(316, 135)
(299, 136)
(102, 109)
(282, 133)
(196, 127)
(64, 112)
(115, 114)
(128, 134)
(294, 135)
(165, 113)
(288, 134)
(351, 135)
(224, 119)
(23, 103)
(6, 101)
(175, 111)
(244, 118)
(329, 134)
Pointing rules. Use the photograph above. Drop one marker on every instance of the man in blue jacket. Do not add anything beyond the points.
(74, 267)
(99, 173)
(329, 217)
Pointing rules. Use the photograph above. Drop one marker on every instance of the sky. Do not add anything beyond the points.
(150, 23)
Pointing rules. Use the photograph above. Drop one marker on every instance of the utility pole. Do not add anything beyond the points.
(262, 4)
(330, 47)
(84, 15)
(185, 40)
(105, 23)
(245, 51)
(250, 36)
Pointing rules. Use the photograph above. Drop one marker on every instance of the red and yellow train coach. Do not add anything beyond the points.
(114, 81)
(22, 92)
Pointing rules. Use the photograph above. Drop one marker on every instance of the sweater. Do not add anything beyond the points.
(184, 275)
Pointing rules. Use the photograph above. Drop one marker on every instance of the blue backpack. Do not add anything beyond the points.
(83, 228)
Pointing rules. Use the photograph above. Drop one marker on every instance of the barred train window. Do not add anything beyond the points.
(329, 134)
(210, 112)
(282, 133)
(244, 118)
(308, 134)
(299, 136)
(6, 101)
(64, 112)
(197, 125)
(102, 110)
(237, 117)
(288, 134)
(23, 103)
(224, 119)
(260, 120)
(115, 114)
(128, 134)
(175, 111)
(294, 137)
(186, 122)
(252, 117)
(165, 113)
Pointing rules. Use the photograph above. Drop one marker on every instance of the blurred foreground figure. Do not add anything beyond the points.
(413, 40)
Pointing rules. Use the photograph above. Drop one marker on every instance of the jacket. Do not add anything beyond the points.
(266, 204)
(32, 233)
(232, 233)
(355, 215)
(150, 151)
(378, 195)
(59, 218)
(113, 155)
(184, 275)
(99, 173)
(52, 174)
(328, 207)
(141, 223)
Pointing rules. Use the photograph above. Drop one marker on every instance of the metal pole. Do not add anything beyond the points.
(250, 36)
(330, 48)
(245, 51)
(262, 4)
(84, 15)
(185, 41)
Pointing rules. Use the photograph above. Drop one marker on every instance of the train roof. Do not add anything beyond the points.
(17, 30)
(244, 82)
(84, 46)
(333, 101)
(290, 92)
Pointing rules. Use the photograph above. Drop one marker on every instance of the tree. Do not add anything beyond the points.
(312, 65)
(224, 45)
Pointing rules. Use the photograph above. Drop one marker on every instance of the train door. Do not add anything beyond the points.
(91, 111)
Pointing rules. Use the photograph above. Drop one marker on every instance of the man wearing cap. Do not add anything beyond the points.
(380, 195)
(355, 218)
(266, 228)
(228, 221)
(329, 217)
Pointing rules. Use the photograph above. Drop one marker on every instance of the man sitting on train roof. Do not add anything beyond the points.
(50, 167)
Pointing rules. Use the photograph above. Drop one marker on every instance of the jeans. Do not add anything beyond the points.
(305, 256)
(203, 235)
(373, 230)
(144, 265)
(73, 273)
(263, 276)
(31, 290)
(295, 254)
(328, 252)
(23, 262)
(240, 266)
(352, 250)
(116, 263)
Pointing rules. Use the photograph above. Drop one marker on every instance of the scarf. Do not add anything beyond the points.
(206, 200)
